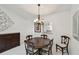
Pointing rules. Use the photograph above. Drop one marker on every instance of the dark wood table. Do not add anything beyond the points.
(39, 43)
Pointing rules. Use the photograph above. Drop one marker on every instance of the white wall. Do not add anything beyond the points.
(61, 24)
(22, 25)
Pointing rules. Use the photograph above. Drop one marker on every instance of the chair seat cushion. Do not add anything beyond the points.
(62, 45)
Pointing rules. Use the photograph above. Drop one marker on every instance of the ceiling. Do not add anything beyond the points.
(45, 9)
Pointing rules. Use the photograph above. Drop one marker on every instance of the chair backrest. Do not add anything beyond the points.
(65, 39)
(50, 44)
(29, 37)
(44, 36)
(28, 44)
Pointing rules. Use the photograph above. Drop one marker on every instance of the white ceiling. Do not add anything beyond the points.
(45, 8)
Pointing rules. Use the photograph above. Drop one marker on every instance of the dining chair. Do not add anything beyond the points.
(30, 50)
(44, 36)
(48, 49)
(29, 47)
(64, 44)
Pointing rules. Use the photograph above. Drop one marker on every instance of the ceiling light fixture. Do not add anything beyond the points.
(39, 22)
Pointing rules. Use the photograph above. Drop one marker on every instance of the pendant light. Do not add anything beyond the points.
(39, 21)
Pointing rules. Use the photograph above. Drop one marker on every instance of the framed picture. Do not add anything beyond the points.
(37, 27)
(76, 25)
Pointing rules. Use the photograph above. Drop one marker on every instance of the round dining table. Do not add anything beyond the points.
(39, 43)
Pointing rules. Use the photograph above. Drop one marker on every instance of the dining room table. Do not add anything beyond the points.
(39, 43)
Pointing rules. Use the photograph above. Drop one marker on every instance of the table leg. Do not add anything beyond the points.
(40, 51)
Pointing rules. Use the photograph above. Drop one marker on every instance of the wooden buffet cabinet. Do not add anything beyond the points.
(8, 41)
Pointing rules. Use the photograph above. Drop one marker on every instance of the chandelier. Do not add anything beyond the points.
(39, 22)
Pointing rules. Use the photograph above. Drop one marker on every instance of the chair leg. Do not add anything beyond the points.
(26, 52)
(56, 47)
(26, 49)
(50, 52)
(67, 51)
(62, 51)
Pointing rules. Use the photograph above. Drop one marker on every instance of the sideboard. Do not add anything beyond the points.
(8, 41)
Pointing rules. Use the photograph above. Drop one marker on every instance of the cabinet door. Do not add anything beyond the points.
(12, 41)
(15, 40)
(2, 44)
(8, 41)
